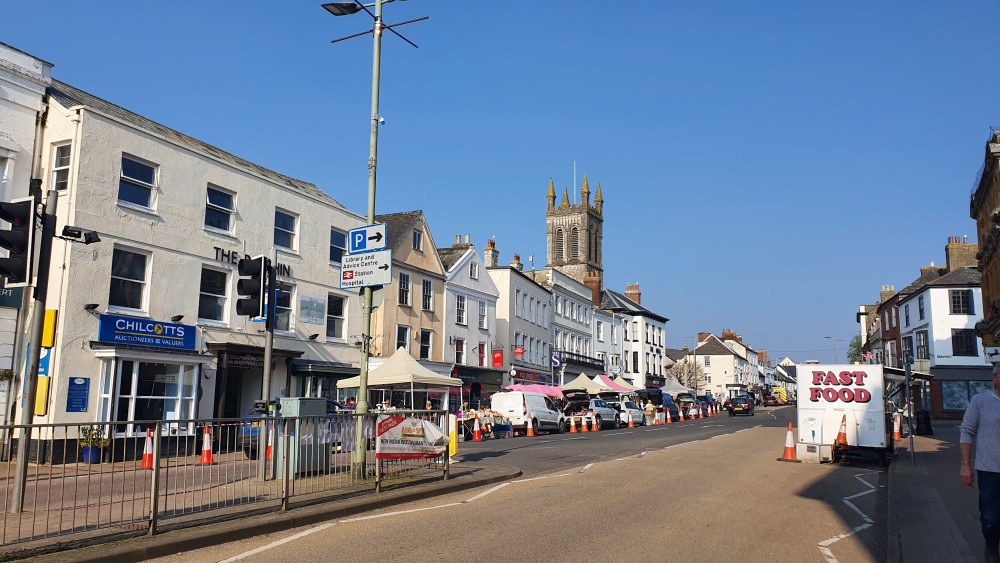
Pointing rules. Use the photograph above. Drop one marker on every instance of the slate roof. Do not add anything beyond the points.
(69, 96)
(712, 347)
(397, 225)
(614, 301)
(961, 277)
(452, 254)
(919, 283)
(675, 354)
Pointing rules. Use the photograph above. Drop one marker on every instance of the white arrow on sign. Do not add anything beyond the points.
(366, 239)
(364, 270)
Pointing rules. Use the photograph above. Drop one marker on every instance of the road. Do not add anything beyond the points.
(682, 492)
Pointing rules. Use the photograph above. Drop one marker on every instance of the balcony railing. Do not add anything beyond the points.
(585, 362)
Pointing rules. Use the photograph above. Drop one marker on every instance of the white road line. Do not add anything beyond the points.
(642, 454)
(484, 493)
(539, 478)
(398, 512)
(824, 546)
(711, 425)
(586, 467)
(280, 542)
(617, 434)
(681, 444)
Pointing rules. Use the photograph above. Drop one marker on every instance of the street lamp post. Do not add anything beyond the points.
(344, 9)
(834, 347)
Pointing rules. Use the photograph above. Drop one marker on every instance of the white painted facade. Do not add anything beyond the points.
(521, 324)
(573, 316)
(608, 340)
(468, 283)
(938, 323)
(643, 348)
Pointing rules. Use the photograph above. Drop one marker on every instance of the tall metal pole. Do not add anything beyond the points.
(270, 279)
(34, 339)
(360, 454)
(909, 408)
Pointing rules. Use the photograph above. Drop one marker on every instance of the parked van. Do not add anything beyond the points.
(517, 405)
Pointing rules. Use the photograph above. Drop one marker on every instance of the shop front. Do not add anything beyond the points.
(319, 379)
(240, 376)
(527, 376)
(477, 386)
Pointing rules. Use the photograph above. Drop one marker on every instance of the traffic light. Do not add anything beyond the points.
(18, 240)
(252, 285)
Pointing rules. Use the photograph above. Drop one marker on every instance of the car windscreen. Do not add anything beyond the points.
(631, 405)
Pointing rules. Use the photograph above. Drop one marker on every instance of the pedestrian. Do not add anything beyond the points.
(350, 403)
(981, 425)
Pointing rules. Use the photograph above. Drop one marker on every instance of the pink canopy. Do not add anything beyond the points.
(607, 382)
(536, 388)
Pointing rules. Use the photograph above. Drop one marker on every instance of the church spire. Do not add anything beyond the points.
(565, 199)
(585, 193)
(598, 199)
(551, 196)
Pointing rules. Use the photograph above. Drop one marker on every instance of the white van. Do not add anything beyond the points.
(516, 406)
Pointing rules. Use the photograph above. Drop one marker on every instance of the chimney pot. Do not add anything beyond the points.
(458, 239)
(467, 238)
(965, 239)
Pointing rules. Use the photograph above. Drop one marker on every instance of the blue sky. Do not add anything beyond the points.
(766, 166)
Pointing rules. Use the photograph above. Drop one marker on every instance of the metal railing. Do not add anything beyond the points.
(183, 472)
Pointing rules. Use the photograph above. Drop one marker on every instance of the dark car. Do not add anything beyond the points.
(771, 401)
(741, 405)
(670, 406)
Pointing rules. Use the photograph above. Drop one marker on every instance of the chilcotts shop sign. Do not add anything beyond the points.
(145, 332)
(844, 386)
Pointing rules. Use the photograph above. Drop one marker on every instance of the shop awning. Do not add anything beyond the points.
(673, 386)
(584, 382)
(603, 380)
(401, 371)
(545, 389)
(621, 381)
(481, 375)
(899, 374)
(331, 369)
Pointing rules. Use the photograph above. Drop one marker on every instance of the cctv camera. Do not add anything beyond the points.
(381, 120)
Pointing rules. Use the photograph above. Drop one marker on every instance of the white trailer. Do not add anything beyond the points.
(831, 396)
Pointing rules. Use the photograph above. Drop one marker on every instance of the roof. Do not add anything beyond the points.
(614, 301)
(713, 347)
(69, 96)
(675, 354)
(450, 255)
(397, 224)
(968, 276)
(926, 276)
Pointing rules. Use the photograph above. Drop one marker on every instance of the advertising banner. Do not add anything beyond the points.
(834, 396)
(399, 437)
(145, 332)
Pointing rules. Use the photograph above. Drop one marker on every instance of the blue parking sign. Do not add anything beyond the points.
(555, 359)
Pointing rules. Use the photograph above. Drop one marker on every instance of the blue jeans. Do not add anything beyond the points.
(989, 506)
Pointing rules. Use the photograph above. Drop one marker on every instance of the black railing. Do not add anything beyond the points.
(586, 362)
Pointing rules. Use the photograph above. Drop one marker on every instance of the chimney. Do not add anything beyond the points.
(703, 336)
(728, 334)
(739, 338)
(490, 254)
(632, 292)
(960, 254)
(458, 240)
(516, 263)
(593, 281)
(886, 293)
(467, 237)
(685, 348)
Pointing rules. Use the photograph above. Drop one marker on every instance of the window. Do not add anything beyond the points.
(708, 379)
(635, 331)
(524, 306)
(137, 183)
(574, 243)
(338, 246)
(922, 345)
(559, 309)
(283, 307)
(955, 395)
(60, 167)
(920, 307)
(418, 240)
(906, 314)
(219, 209)
(459, 351)
(128, 279)
(600, 331)
(334, 316)
(963, 342)
(403, 337)
(533, 311)
(635, 362)
(212, 296)
(708, 361)
(133, 390)
(284, 230)
(481, 350)
(961, 302)
(907, 348)
(474, 270)
(559, 244)
(404, 288)
(460, 309)
(425, 344)
(517, 302)
(482, 314)
(428, 295)
(545, 316)
(625, 331)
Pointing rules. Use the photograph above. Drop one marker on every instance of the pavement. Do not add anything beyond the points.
(932, 515)
(463, 476)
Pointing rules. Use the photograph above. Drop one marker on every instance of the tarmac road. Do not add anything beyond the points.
(666, 493)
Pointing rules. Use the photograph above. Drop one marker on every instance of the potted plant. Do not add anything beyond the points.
(92, 440)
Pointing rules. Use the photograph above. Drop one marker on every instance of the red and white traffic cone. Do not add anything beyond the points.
(583, 424)
(531, 430)
(895, 428)
(656, 418)
(270, 439)
(477, 433)
(710, 409)
(147, 452)
(680, 413)
(789, 454)
(206, 449)
(668, 417)
(701, 412)
(630, 423)
(594, 426)
(572, 425)
(842, 434)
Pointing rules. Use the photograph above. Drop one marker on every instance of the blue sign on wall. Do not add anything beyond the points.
(145, 332)
(78, 395)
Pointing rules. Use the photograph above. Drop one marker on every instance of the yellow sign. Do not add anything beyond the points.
(49, 328)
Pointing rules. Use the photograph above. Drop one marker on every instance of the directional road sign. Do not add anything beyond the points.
(366, 239)
(368, 269)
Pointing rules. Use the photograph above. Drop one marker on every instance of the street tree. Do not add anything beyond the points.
(854, 349)
(688, 373)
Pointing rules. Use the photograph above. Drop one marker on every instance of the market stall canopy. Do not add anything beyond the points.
(621, 381)
(584, 382)
(401, 371)
(673, 387)
(536, 388)
(605, 381)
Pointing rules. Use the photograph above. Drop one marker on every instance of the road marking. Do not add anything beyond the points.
(484, 493)
(642, 454)
(398, 512)
(711, 425)
(681, 444)
(617, 433)
(586, 467)
(280, 542)
(824, 546)
(539, 478)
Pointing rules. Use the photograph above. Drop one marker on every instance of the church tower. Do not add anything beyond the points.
(573, 233)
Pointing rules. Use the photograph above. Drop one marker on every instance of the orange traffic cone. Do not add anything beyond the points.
(583, 424)
(206, 449)
(680, 414)
(701, 412)
(477, 434)
(710, 409)
(668, 417)
(895, 428)
(842, 435)
(531, 430)
(572, 425)
(630, 423)
(789, 454)
(656, 419)
(147, 452)
(594, 426)
(270, 439)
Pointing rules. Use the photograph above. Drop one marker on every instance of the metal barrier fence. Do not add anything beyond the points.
(150, 473)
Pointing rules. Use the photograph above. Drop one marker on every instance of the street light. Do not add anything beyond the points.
(344, 9)
(835, 340)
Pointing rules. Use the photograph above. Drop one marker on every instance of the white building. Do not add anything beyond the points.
(523, 321)
(572, 324)
(644, 356)
(608, 327)
(726, 372)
